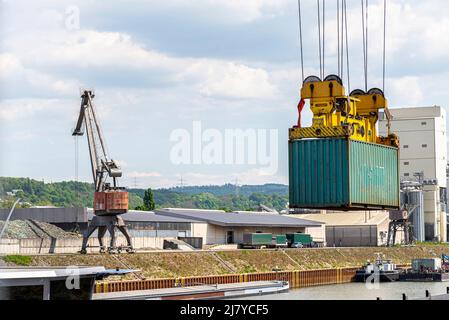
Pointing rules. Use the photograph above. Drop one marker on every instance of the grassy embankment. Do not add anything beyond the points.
(180, 264)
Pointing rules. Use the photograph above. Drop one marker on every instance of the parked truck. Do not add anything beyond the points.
(265, 240)
(299, 240)
(256, 240)
(280, 241)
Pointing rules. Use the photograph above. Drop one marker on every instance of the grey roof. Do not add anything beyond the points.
(144, 216)
(222, 218)
(47, 214)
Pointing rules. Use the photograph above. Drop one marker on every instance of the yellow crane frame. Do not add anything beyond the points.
(336, 114)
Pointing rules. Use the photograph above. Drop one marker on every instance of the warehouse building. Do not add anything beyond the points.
(150, 224)
(222, 227)
(194, 226)
(423, 158)
(353, 229)
(69, 219)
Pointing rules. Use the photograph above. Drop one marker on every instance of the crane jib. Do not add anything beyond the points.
(109, 198)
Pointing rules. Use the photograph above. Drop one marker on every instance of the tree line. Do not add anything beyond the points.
(80, 194)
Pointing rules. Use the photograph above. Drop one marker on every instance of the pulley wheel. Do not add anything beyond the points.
(376, 91)
(310, 79)
(333, 77)
(357, 92)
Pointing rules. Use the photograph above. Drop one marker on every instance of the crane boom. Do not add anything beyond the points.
(100, 162)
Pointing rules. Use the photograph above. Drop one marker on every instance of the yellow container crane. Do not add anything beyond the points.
(336, 114)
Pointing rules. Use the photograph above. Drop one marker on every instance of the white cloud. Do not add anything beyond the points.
(115, 51)
(407, 89)
(136, 174)
(12, 69)
(15, 109)
(227, 11)
(18, 137)
(229, 80)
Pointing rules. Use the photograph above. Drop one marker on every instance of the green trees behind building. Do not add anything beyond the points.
(148, 201)
(80, 194)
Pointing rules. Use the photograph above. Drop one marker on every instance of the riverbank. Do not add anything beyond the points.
(166, 264)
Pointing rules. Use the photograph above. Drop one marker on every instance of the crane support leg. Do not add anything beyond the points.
(124, 230)
(101, 233)
(109, 223)
(112, 246)
(90, 229)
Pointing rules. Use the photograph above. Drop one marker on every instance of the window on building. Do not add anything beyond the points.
(406, 163)
(406, 174)
(405, 146)
(423, 123)
(424, 145)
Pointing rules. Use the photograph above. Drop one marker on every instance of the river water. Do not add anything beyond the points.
(360, 291)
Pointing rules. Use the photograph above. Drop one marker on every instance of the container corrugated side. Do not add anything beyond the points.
(281, 239)
(304, 238)
(342, 173)
(318, 173)
(374, 175)
(257, 238)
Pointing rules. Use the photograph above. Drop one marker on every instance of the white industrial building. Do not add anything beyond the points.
(154, 230)
(423, 157)
(222, 227)
(353, 229)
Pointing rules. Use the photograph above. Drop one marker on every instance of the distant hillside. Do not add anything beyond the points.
(60, 194)
(168, 198)
(229, 189)
(74, 194)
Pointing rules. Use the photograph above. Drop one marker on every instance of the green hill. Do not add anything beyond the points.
(74, 194)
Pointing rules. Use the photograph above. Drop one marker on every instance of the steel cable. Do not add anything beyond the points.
(324, 32)
(347, 47)
(364, 43)
(385, 27)
(300, 39)
(366, 46)
(319, 37)
(338, 37)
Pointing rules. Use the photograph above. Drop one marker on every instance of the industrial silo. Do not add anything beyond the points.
(403, 196)
(416, 198)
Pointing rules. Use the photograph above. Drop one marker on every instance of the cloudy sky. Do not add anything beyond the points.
(164, 67)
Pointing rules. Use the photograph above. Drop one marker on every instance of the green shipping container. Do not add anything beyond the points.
(340, 173)
(281, 239)
(304, 238)
(257, 238)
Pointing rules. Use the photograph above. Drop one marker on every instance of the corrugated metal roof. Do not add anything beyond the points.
(346, 218)
(47, 214)
(222, 218)
(144, 216)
